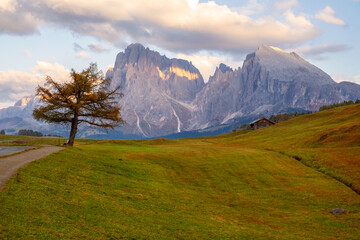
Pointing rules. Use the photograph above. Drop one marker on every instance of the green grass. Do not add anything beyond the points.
(16, 140)
(328, 141)
(235, 186)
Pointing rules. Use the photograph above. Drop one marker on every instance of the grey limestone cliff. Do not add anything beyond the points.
(158, 91)
(270, 81)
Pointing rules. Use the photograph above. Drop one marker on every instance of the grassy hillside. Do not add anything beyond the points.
(328, 141)
(338, 127)
(236, 186)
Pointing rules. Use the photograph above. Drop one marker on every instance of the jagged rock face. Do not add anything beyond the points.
(275, 80)
(269, 82)
(219, 98)
(22, 108)
(164, 96)
(19, 116)
(286, 67)
(138, 67)
(157, 91)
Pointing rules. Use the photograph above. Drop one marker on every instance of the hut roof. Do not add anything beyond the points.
(258, 120)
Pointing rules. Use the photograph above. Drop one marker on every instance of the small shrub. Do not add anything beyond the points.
(285, 116)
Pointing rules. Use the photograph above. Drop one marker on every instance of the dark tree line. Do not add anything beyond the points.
(344, 103)
(285, 116)
(29, 132)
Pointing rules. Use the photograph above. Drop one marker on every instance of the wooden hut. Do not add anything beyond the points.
(260, 123)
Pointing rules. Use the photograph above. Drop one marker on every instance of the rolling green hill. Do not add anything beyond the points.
(328, 141)
(280, 182)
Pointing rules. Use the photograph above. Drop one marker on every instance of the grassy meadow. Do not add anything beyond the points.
(17, 140)
(279, 182)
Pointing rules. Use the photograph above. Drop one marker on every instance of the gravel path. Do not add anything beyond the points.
(9, 165)
(10, 150)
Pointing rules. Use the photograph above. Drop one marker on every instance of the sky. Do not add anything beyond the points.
(50, 37)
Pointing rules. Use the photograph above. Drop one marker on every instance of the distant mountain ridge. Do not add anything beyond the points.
(165, 96)
(270, 81)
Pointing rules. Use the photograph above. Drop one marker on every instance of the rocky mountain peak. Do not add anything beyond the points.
(224, 73)
(135, 47)
(267, 48)
(224, 68)
(23, 101)
(221, 70)
(285, 66)
(137, 54)
(265, 52)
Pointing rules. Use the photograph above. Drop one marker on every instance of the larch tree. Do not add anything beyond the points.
(85, 98)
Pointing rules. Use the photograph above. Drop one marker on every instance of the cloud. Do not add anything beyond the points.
(207, 64)
(14, 19)
(15, 85)
(57, 71)
(82, 55)
(6, 104)
(285, 5)
(8, 5)
(299, 22)
(178, 25)
(317, 52)
(78, 47)
(328, 15)
(338, 77)
(96, 48)
(253, 7)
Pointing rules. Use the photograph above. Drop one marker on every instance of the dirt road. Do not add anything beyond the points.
(9, 165)
(10, 150)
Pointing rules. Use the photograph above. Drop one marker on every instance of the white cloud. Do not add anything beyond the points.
(8, 5)
(193, 3)
(6, 104)
(328, 15)
(15, 84)
(207, 64)
(178, 25)
(55, 70)
(317, 52)
(338, 77)
(299, 22)
(253, 7)
(284, 5)
(82, 55)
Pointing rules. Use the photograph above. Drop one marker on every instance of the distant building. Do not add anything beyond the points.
(260, 123)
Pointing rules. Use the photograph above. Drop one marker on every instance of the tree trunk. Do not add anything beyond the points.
(74, 125)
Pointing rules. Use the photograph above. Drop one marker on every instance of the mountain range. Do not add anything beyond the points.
(165, 96)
